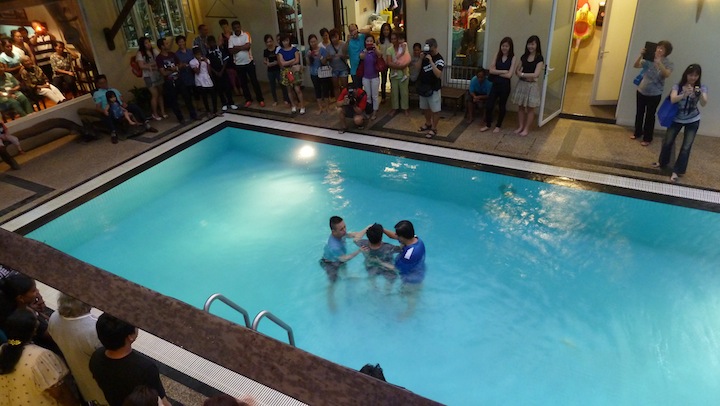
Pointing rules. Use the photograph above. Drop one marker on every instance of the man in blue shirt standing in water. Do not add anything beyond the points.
(410, 263)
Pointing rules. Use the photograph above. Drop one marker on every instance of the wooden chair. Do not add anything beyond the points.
(456, 81)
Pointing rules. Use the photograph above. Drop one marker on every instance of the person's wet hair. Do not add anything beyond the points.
(374, 233)
(335, 220)
(405, 229)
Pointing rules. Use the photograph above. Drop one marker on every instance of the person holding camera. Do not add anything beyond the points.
(687, 94)
(351, 104)
(650, 90)
(428, 86)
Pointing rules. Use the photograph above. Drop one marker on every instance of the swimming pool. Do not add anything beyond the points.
(535, 293)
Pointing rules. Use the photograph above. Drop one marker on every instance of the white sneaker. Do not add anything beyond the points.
(294, 110)
(302, 110)
(234, 106)
(224, 108)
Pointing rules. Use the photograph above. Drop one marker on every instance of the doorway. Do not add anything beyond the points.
(597, 60)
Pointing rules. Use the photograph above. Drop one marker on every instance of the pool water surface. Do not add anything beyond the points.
(535, 293)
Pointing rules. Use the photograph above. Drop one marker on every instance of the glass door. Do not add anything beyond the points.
(556, 60)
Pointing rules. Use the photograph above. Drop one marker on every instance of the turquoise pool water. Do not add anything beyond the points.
(535, 293)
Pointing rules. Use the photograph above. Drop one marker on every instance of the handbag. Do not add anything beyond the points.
(667, 112)
(639, 77)
(380, 64)
(325, 71)
(360, 71)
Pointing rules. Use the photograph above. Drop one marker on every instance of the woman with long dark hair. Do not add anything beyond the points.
(687, 94)
(145, 57)
(527, 93)
(29, 374)
(501, 71)
(19, 291)
(384, 42)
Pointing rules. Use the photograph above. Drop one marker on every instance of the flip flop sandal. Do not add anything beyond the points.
(431, 134)
(424, 128)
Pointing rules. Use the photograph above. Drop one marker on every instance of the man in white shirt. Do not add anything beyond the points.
(239, 46)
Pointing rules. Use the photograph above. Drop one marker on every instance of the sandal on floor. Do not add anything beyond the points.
(424, 128)
(644, 143)
(674, 177)
(431, 133)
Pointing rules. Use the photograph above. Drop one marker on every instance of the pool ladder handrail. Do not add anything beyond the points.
(274, 318)
(246, 315)
(233, 305)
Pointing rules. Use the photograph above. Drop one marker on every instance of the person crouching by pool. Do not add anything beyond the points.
(378, 255)
(351, 104)
(335, 254)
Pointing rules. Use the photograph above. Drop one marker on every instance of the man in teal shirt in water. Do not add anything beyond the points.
(335, 253)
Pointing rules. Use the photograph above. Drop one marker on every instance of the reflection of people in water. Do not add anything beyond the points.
(378, 255)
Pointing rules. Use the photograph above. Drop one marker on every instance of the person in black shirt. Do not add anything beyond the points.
(527, 93)
(428, 86)
(218, 70)
(117, 368)
(273, 69)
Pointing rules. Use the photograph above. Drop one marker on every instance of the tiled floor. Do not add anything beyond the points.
(578, 93)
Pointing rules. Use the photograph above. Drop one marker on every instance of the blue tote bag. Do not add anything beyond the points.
(667, 112)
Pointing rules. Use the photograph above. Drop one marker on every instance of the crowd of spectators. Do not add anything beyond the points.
(70, 357)
(33, 68)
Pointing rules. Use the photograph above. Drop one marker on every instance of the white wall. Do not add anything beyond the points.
(115, 64)
(431, 23)
(692, 43)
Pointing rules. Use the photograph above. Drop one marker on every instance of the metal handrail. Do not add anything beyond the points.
(230, 303)
(266, 313)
